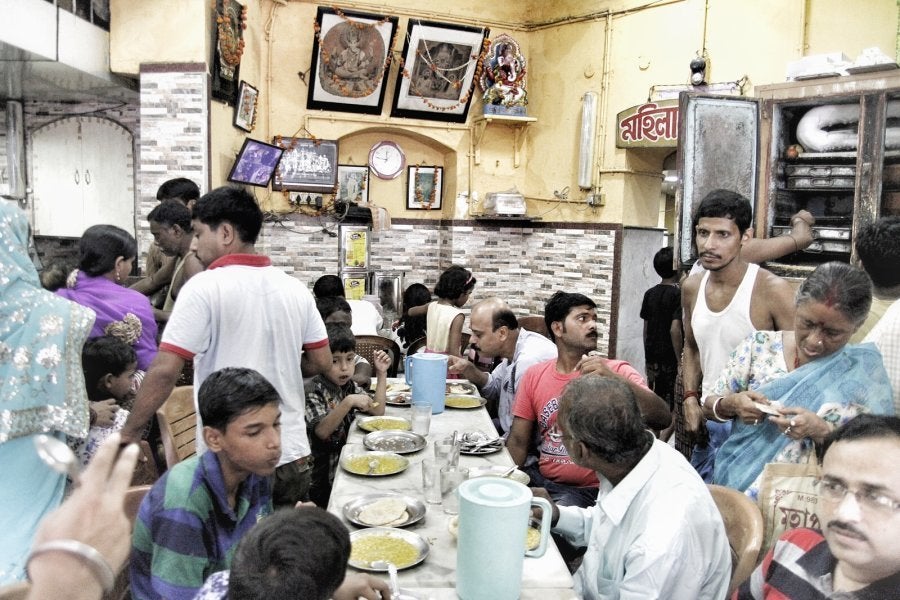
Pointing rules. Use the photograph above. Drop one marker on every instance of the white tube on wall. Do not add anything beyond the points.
(15, 150)
(588, 139)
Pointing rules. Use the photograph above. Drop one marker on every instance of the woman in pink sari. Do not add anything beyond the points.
(107, 254)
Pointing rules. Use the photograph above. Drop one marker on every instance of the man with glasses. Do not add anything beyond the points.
(857, 553)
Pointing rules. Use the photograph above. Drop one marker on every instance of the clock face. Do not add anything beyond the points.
(386, 160)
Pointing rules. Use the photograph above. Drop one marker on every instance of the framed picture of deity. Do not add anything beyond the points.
(307, 165)
(350, 61)
(440, 64)
(230, 18)
(424, 188)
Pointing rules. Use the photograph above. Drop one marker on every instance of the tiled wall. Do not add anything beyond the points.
(523, 265)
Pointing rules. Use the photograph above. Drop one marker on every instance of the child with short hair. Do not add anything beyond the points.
(336, 309)
(190, 522)
(109, 365)
(661, 312)
(332, 401)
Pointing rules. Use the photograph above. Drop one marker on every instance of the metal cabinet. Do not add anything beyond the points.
(830, 146)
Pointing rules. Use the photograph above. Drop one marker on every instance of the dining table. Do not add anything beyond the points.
(544, 577)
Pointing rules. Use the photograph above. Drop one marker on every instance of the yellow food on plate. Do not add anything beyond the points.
(382, 423)
(532, 538)
(371, 548)
(462, 402)
(385, 465)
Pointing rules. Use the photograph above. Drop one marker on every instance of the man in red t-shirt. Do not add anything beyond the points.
(572, 323)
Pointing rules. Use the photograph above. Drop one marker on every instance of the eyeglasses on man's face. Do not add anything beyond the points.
(873, 500)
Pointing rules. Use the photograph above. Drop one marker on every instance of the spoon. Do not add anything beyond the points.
(58, 456)
(395, 585)
(373, 464)
(509, 472)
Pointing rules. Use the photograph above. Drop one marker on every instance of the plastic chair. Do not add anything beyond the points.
(178, 425)
(534, 323)
(744, 528)
(366, 345)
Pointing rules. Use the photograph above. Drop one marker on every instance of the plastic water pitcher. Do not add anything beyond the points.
(494, 514)
(426, 373)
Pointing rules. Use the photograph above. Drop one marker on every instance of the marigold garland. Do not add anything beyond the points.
(231, 43)
(464, 99)
(417, 189)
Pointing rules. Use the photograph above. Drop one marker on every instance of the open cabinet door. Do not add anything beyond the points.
(718, 147)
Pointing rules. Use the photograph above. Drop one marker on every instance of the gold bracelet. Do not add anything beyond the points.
(86, 555)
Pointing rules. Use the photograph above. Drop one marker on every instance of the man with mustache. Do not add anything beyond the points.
(857, 553)
(572, 323)
(718, 313)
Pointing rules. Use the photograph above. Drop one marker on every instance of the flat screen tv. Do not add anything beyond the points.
(255, 163)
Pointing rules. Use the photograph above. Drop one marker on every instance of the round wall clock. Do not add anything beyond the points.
(386, 160)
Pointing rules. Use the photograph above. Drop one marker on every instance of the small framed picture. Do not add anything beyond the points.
(308, 165)
(354, 247)
(353, 184)
(424, 188)
(350, 62)
(255, 163)
(245, 109)
(438, 74)
(355, 285)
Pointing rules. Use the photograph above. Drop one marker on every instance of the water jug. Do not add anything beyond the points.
(494, 514)
(426, 373)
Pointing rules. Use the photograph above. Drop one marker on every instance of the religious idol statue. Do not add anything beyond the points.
(503, 78)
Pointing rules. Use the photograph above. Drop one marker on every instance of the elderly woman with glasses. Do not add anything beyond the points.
(786, 391)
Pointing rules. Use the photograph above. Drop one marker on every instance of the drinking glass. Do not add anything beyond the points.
(431, 481)
(451, 477)
(421, 417)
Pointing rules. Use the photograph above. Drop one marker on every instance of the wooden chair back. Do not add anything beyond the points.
(415, 345)
(178, 425)
(744, 528)
(366, 345)
(133, 498)
(145, 472)
(534, 323)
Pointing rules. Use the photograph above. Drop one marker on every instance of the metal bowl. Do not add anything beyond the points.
(414, 507)
(393, 440)
(414, 539)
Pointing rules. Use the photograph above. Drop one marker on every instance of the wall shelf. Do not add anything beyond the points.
(479, 124)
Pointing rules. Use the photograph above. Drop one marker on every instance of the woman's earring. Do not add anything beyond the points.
(118, 277)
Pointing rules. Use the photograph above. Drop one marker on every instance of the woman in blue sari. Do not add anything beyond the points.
(41, 389)
(786, 390)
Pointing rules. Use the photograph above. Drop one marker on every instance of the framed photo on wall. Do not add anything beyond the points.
(355, 285)
(353, 184)
(307, 165)
(245, 110)
(438, 77)
(255, 163)
(424, 188)
(354, 247)
(350, 61)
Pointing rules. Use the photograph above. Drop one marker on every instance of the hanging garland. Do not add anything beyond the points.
(231, 43)
(326, 56)
(417, 187)
(457, 84)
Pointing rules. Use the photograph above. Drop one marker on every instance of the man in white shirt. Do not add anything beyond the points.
(655, 531)
(496, 333)
(366, 318)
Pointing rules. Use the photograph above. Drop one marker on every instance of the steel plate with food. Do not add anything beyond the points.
(398, 398)
(374, 423)
(384, 510)
(461, 401)
(386, 545)
(374, 464)
(499, 471)
(393, 440)
(396, 386)
(461, 387)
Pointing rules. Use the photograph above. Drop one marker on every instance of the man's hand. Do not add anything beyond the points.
(693, 420)
(361, 585)
(594, 364)
(457, 364)
(106, 412)
(537, 510)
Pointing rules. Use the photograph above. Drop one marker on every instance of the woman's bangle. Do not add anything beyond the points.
(716, 414)
(86, 555)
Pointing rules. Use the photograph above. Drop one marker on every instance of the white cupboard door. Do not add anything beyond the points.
(107, 159)
(58, 179)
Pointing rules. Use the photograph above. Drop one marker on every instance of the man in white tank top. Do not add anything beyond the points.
(718, 312)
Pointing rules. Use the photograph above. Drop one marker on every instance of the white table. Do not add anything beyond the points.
(544, 577)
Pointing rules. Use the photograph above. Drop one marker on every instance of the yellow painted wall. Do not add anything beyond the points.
(650, 44)
(162, 31)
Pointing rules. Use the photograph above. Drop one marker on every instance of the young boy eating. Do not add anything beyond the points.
(191, 521)
(332, 401)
